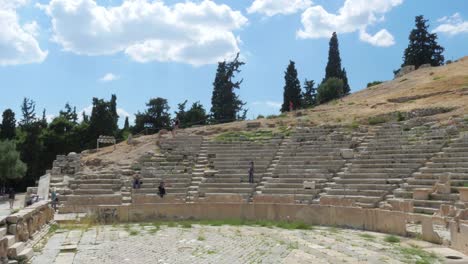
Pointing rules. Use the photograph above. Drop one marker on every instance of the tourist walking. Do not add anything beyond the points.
(11, 197)
(136, 181)
(162, 189)
(54, 199)
(251, 172)
(175, 127)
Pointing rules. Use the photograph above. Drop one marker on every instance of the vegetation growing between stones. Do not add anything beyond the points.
(248, 136)
(392, 239)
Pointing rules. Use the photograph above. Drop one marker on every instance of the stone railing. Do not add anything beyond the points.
(18, 228)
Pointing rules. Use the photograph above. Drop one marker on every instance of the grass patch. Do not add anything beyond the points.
(367, 236)
(375, 120)
(53, 228)
(201, 237)
(238, 222)
(374, 83)
(351, 103)
(392, 239)
(437, 78)
(293, 245)
(134, 232)
(154, 230)
(248, 136)
(414, 254)
(405, 79)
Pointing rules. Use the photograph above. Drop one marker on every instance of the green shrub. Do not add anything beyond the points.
(271, 116)
(260, 116)
(374, 83)
(400, 116)
(375, 120)
(392, 239)
(329, 90)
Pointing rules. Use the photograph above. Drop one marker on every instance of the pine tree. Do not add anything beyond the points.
(102, 121)
(126, 124)
(333, 69)
(310, 94)
(8, 127)
(423, 47)
(292, 89)
(155, 117)
(225, 104)
(69, 114)
(113, 109)
(28, 108)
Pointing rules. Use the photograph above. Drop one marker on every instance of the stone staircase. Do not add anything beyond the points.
(312, 155)
(95, 187)
(198, 172)
(173, 165)
(229, 162)
(451, 161)
(383, 165)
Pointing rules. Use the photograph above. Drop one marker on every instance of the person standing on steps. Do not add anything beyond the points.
(54, 199)
(136, 181)
(251, 172)
(11, 197)
(162, 189)
(175, 127)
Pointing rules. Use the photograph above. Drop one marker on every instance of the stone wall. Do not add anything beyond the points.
(16, 229)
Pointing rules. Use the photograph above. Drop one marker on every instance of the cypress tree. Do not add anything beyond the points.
(225, 103)
(423, 47)
(292, 88)
(8, 127)
(126, 124)
(333, 68)
(310, 94)
(28, 108)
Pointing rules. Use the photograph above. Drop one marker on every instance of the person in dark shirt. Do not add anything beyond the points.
(11, 197)
(251, 172)
(162, 189)
(175, 127)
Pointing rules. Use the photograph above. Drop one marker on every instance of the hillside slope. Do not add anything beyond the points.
(429, 89)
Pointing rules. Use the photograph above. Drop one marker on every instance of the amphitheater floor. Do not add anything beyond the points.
(186, 243)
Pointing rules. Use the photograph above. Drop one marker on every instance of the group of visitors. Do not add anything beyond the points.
(137, 182)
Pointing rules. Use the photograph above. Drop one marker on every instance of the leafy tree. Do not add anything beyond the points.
(102, 121)
(181, 113)
(333, 68)
(8, 126)
(31, 145)
(11, 167)
(113, 108)
(196, 115)
(423, 47)
(310, 94)
(292, 88)
(329, 90)
(156, 117)
(28, 108)
(225, 104)
(69, 113)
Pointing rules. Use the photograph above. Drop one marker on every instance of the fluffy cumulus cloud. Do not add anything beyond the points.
(195, 33)
(109, 77)
(276, 7)
(452, 25)
(18, 43)
(354, 15)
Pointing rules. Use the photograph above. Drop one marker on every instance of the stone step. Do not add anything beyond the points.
(357, 198)
(86, 186)
(14, 250)
(356, 192)
(226, 190)
(363, 186)
(425, 210)
(93, 191)
(289, 191)
(368, 181)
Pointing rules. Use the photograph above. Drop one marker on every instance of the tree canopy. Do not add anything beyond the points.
(292, 89)
(11, 167)
(423, 47)
(225, 103)
(8, 126)
(333, 68)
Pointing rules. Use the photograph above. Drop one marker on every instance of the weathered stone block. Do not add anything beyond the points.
(309, 185)
(347, 153)
(421, 193)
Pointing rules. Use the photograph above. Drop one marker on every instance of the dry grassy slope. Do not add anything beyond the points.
(446, 85)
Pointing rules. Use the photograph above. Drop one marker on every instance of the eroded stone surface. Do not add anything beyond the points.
(141, 243)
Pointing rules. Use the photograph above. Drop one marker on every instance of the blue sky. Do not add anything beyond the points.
(58, 51)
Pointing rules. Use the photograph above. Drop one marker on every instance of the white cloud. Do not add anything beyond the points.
(383, 38)
(452, 25)
(122, 113)
(108, 77)
(18, 44)
(275, 7)
(270, 104)
(354, 15)
(195, 33)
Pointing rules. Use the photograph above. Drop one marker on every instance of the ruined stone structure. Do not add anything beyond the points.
(18, 229)
(419, 169)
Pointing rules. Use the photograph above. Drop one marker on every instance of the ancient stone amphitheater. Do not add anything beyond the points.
(386, 178)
